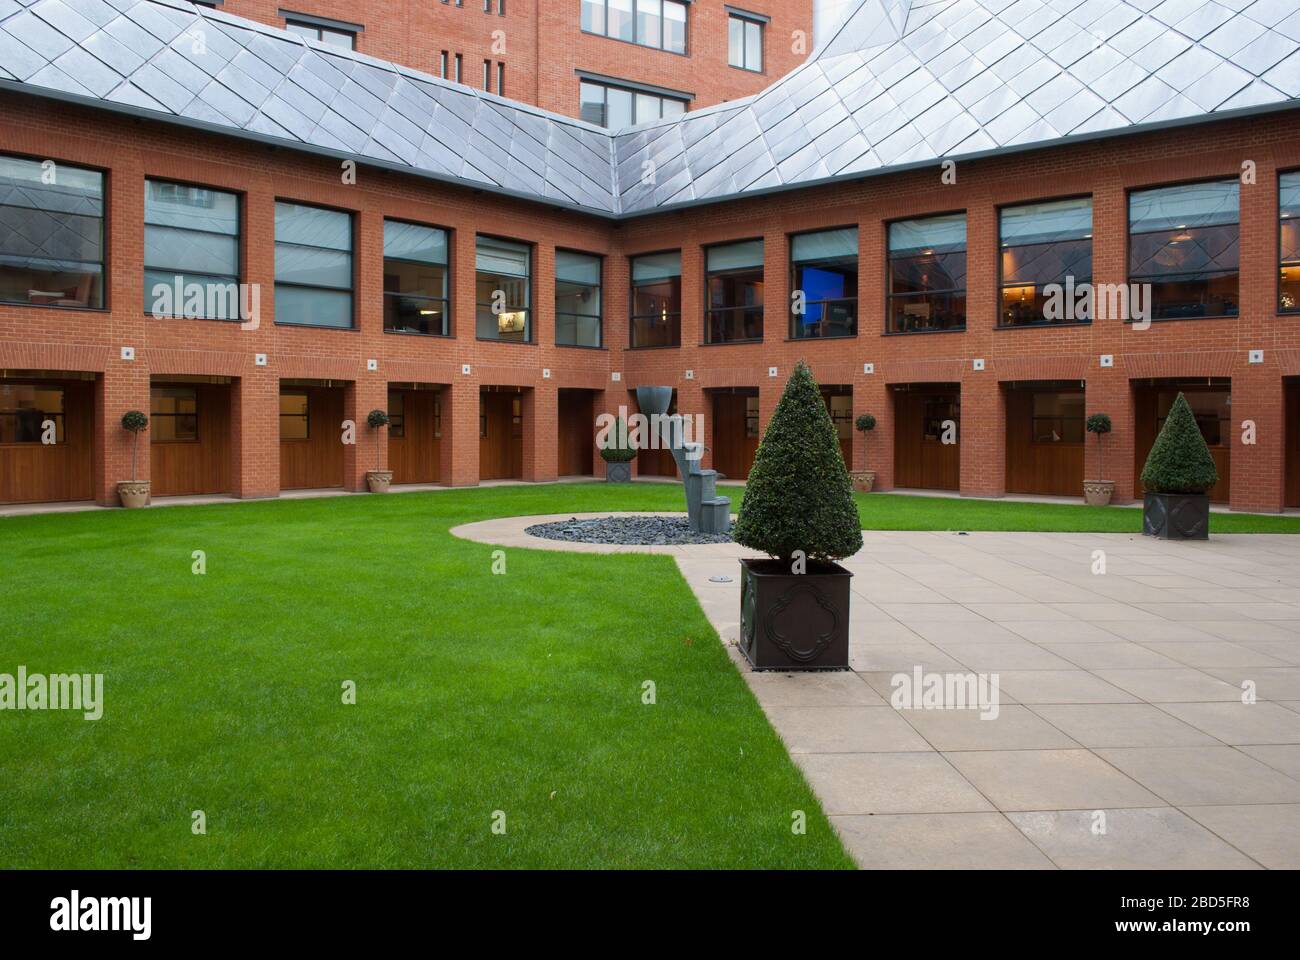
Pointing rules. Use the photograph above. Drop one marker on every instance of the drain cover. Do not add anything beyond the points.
(719, 580)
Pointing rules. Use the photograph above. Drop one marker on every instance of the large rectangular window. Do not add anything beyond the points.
(745, 42)
(607, 105)
(927, 274)
(174, 415)
(1184, 242)
(577, 299)
(191, 247)
(652, 23)
(824, 272)
(1289, 242)
(51, 234)
(27, 408)
(1042, 244)
(503, 290)
(416, 279)
(734, 280)
(313, 266)
(295, 416)
(657, 300)
(335, 35)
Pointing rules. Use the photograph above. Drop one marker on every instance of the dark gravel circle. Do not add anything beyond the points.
(642, 531)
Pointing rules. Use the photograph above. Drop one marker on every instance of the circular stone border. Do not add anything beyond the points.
(512, 532)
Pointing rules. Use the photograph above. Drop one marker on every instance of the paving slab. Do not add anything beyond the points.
(1269, 834)
(940, 841)
(1050, 780)
(1159, 838)
(1184, 776)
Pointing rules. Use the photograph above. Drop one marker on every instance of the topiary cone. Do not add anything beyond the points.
(1180, 461)
(798, 496)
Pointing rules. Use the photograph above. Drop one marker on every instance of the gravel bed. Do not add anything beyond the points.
(643, 531)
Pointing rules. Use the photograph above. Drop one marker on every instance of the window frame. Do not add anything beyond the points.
(708, 274)
(604, 33)
(600, 287)
(105, 235)
(1128, 240)
(353, 220)
(633, 91)
(792, 265)
(305, 415)
(155, 415)
(633, 316)
(449, 266)
(1001, 281)
(60, 419)
(241, 252)
(889, 274)
(747, 19)
(1281, 264)
(530, 326)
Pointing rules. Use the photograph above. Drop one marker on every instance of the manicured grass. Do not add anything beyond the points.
(475, 693)
(885, 511)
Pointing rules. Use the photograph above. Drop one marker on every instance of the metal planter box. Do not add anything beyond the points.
(794, 621)
(1176, 516)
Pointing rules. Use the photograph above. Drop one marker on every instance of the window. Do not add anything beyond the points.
(504, 293)
(294, 411)
(313, 266)
(25, 408)
(175, 415)
(751, 417)
(501, 79)
(1183, 241)
(1289, 202)
(1057, 418)
(416, 282)
(336, 34)
(1044, 243)
(459, 63)
(191, 252)
(607, 105)
(487, 75)
(51, 234)
(657, 300)
(442, 64)
(927, 274)
(577, 299)
(735, 292)
(396, 414)
(745, 42)
(824, 266)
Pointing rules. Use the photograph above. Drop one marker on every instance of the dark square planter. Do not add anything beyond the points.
(618, 471)
(1176, 516)
(794, 621)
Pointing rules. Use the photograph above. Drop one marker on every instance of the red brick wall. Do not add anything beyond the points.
(541, 44)
(84, 340)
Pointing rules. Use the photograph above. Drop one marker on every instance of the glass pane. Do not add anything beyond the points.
(619, 21)
(593, 16)
(418, 279)
(656, 266)
(648, 31)
(413, 241)
(673, 108)
(194, 208)
(736, 42)
(618, 108)
(198, 297)
(313, 266)
(313, 226)
(592, 103)
(674, 26)
(1046, 222)
(190, 251)
(647, 108)
(577, 299)
(52, 283)
(753, 46)
(1039, 263)
(734, 256)
(313, 307)
(24, 410)
(827, 243)
(338, 38)
(928, 235)
(415, 315)
(1187, 206)
(506, 325)
(578, 267)
(503, 257)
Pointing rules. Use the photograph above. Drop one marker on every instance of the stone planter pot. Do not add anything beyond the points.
(1176, 516)
(133, 493)
(1097, 493)
(863, 480)
(618, 471)
(794, 621)
(378, 480)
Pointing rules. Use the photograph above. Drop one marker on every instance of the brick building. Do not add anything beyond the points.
(541, 52)
(495, 275)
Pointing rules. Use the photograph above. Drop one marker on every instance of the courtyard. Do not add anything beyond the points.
(525, 707)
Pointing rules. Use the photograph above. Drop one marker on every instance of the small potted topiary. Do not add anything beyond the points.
(799, 510)
(1097, 493)
(1178, 472)
(863, 480)
(378, 480)
(618, 454)
(134, 493)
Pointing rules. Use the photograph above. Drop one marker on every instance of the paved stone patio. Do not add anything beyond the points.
(1120, 693)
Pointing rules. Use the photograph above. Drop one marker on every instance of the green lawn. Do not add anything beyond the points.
(475, 693)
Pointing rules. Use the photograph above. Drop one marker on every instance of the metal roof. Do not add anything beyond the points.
(900, 83)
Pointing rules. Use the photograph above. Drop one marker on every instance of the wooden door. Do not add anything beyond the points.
(314, 461)
(735, 434)
(184, 462)
(501, 448)
(922, 461)
(1045, 442)
(1292, 458)
(35, 472)
(414, 447)
(577, 433)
